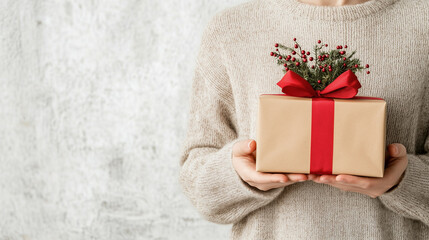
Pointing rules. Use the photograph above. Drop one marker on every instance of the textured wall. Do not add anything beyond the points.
(93, 108)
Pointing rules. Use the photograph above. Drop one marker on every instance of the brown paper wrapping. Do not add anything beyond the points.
(284, 135)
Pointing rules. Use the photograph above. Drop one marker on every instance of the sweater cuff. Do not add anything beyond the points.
(223, 197)
(408, 194)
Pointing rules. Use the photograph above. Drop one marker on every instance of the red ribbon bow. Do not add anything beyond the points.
(344, 86)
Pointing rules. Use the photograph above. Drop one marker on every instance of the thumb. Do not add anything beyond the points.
(397, 150)
(244, 147)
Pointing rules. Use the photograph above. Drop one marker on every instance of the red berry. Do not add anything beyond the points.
(330, 69)
(293, 52)
(308, 53)
(344, 65)
(312, 67)
(320, 67)
(271, 53)
(318, 81)
(276, 45)
(318, 41)
(296, 45)
(325, 65)
(367, 72)
(302, 52)
(294, 39)
(311, 58)
(326, 45)
(330, 66)
(304, 60)
(327, 55)
(344, 59)
(285, 64)
(277, 49)
(367, 66)
(293, 59)
(288, 56)
(323, 70)
(342, 52)
(356, 66)
(345, 46)
(320, 57)
(338, 47)
(297, 63)
(341, 47)
(287, 69)
(280, 57)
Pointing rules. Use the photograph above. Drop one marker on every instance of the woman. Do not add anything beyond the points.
(234, 67)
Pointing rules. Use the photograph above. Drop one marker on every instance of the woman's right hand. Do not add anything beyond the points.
(243, 160)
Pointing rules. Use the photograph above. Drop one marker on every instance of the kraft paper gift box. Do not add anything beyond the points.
(321, 135)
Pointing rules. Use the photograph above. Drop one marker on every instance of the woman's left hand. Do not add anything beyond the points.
(397, 162)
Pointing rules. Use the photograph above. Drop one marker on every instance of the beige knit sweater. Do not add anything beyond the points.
(234, 66)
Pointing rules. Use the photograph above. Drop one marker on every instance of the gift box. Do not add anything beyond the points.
(326, 132)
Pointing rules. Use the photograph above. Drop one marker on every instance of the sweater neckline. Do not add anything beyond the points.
(333, 13)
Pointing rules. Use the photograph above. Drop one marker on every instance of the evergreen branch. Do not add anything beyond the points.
(328, 65)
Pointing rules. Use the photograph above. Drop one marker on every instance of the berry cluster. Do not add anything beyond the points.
(321, 70)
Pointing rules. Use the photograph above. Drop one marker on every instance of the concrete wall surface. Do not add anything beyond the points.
(94, 100)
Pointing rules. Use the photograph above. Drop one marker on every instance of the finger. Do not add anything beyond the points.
(349, 179)
(361, 182)
(247, 171)
(312, 176)
(395, 169)
(249, 174)
(296, 177)
(264, 178)
(316, 178)
(243, 148)
(398, 161)
(326, 178)
(397, 150)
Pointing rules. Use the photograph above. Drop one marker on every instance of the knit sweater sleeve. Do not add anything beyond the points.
(207, 175)
(410, 198)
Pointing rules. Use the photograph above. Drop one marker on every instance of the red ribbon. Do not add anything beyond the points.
(322, 135)
(322, 116)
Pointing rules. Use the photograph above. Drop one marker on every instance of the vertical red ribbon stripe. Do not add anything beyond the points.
(322, 135)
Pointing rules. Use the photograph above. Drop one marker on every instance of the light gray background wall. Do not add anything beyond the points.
(93, 108)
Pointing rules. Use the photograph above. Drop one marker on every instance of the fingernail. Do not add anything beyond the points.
(395, 149)
(249, 145)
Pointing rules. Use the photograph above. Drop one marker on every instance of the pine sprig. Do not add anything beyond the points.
(326, 67)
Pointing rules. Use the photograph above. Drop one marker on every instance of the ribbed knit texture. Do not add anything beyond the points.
(234, 67)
